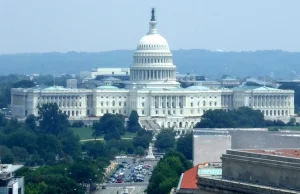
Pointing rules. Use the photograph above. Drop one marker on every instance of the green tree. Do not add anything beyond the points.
(24, 139)
(31, 122)
(143, 138)
(24, 84)
(70, 143)
(51, 119)
(49, 146)
(20, 154)
(165, 140)
(185, 145)
(83, 171)
(292, 122)
(6, 155)
(110, 125)
(133, 124)
(167, 172)
(96, 149)
(241, 117)
(140, 151)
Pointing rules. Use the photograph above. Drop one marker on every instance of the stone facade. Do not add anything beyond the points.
(270, 170)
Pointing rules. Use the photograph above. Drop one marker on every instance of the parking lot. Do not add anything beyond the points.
(119, 190)
(134, 176)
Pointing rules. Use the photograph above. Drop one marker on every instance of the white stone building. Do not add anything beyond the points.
(104, 71)
(154, 92)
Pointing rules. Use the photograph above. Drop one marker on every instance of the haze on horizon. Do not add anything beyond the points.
(93, 26)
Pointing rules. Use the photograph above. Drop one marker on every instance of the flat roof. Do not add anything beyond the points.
(291, 153)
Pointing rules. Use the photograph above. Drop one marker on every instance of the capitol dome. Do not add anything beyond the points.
(152, 60)
(153, 42)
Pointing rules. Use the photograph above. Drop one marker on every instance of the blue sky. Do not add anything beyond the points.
(98, 25)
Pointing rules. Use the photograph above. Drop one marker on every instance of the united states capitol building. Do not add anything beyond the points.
(154, 93)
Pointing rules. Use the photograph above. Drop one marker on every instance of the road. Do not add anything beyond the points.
(133, 187)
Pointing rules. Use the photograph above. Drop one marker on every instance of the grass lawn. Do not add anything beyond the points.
(86, 133)
(83, 133)
(295, 128)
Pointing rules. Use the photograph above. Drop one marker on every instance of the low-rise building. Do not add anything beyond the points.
(259, 171)
(209, 144)
(9, 183)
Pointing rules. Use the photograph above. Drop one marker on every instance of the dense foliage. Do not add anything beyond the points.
(241, 117)
(52, 120)
(167, 173)
(133, 124)
(27, 143)
(63, 177)
(53, 146)
(112, 126)
(165, 140)
(142, 138)
(184, 144)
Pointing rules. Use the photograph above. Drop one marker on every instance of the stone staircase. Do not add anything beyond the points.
(149, 124)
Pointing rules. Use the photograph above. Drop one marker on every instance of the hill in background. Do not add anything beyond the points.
(279, 64)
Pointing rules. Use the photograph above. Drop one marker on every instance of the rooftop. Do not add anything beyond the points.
(210, 169)
(190, 177)
(291, 153)
(7, 169)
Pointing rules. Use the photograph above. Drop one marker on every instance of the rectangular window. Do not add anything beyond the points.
(120, 103)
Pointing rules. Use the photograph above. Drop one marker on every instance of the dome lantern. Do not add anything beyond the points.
(152, 23)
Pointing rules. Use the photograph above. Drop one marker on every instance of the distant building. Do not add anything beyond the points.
(210, 144)
(244, 172)
(72, 83)
(189, 77)
(106, 72)
(229, 82)
(9, 183)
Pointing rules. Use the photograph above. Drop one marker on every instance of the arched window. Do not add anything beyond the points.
(113, 103)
